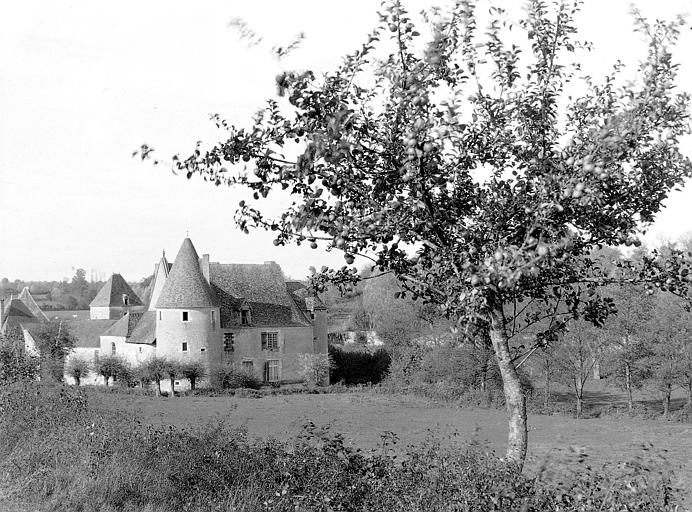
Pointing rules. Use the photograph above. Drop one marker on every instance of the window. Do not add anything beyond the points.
(113, 348)
(126, 299)
(270, 341)
(159, 315)
(213, 319)
(185, 316)
(271, 373)
(228, 342)
(184, 346)
(245, 316)
(140, 349)
(203, 349)
(248, 366)
(96, 355)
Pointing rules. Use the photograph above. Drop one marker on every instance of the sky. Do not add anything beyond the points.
(84, 83)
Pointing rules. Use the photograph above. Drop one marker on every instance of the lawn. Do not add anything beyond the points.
(363, 417)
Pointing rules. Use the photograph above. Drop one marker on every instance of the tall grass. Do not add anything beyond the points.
(59, 451)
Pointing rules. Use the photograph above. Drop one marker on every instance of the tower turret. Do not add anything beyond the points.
(187, 317)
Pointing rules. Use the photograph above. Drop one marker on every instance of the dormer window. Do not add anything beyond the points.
(126, 299)
(245, 318)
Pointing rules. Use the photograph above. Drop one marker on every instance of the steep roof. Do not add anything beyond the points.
(30, 303)
(145, 330)
(261, 286)
(111, 293)
(88, 332)
(123, 326)
(186, 286)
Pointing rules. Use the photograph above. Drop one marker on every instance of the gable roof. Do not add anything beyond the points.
(111, 293)
(261, 286)
(186, 286)
(30, 303)
(87, 332)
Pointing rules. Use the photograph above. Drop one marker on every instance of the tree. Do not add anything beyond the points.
(114, 367)
(80, 285)
(78, 368)
(576, 356)
(193, 371)
(155, 369)
(669, 340)
(172, 370)
(468, 170)
(629, 341)
(53, 342)
(314, 368)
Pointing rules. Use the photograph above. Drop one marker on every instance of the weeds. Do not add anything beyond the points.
(59, 452)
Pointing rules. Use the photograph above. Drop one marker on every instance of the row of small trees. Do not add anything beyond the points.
(647, 344)
(154, 369)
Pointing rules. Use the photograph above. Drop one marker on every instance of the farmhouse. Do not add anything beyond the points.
(243, 314)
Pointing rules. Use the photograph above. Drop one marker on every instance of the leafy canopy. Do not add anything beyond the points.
(454, 158)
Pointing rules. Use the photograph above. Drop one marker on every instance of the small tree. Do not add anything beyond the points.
(114, 367)
(628, 333)
(314, 368)
(78, 368)
(193, 371)
(669, 341)
(172, 370)
(576, 356)
(155, 369)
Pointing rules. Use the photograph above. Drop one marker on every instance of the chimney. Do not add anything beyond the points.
(205, 267)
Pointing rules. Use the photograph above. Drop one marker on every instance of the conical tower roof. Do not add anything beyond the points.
(111, 294)
(186, 286)
(30, 303)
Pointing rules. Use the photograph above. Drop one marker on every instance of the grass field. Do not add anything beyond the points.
(363, 417)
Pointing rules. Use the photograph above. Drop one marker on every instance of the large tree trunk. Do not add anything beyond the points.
(158, 387)
(192, 383)
(515, 400)
(628, 385)
(689, 393)
(172, 387)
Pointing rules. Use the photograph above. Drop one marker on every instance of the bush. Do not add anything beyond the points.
(229, 376)
(15, 363)
(315, 368)
(59, 453)
(358, 367)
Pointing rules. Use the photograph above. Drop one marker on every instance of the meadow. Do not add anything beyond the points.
(64, 448)
(363, 417)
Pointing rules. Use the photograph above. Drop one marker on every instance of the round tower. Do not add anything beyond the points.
(187, 317)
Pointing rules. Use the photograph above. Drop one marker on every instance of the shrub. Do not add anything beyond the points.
(78, 368)
(229, 376)
(314, 368)
(358, 367)
(15, 363)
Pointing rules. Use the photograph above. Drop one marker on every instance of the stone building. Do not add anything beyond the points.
(247, 315)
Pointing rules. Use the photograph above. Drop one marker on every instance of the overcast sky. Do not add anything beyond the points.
(83, 84)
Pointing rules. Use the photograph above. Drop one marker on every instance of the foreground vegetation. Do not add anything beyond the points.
(61, 449)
